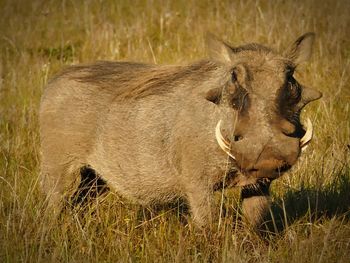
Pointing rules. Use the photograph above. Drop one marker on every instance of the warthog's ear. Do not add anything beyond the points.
(218, 50)
(301, 50)
(214, 95)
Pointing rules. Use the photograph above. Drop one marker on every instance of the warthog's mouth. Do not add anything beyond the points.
(235, 178)
(251, 179)
(260, 188)
(225, 144)
(267, 173)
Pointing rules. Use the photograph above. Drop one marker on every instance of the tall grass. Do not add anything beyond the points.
(310, 212)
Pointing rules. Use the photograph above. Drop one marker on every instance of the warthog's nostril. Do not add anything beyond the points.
(237, 138)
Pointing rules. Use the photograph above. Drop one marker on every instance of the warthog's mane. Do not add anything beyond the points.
(136, 80)
(252, 47)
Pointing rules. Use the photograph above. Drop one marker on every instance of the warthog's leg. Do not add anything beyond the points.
(201, 205)
(56, 184)
(60, 184)
(255, 202)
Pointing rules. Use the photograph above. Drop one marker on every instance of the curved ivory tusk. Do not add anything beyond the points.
(307, 136)
(224, 145)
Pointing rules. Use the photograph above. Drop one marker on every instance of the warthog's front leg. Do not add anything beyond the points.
(201, 205)
(256, 202)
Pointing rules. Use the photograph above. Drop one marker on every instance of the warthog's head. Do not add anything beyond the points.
(260, 106)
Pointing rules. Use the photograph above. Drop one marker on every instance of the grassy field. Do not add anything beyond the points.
(310, 218)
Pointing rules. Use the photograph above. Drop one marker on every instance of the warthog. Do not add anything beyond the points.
(154, 133)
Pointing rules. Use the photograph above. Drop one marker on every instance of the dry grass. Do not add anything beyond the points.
(310, 213)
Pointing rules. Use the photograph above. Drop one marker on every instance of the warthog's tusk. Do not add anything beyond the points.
(224, 145)
(307, 136)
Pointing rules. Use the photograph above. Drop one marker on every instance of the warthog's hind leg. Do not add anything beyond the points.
(56, 186)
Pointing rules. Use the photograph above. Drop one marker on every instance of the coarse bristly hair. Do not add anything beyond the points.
(139, 80)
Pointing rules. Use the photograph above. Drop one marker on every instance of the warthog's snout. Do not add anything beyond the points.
(257, 158)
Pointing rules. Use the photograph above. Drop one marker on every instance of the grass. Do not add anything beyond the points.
(310, 211)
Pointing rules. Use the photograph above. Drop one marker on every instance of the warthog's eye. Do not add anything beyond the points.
(293, 90)
(233, 76)
(236, 102)
(239, 98)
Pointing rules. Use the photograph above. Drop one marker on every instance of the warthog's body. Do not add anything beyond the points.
(149, 131)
